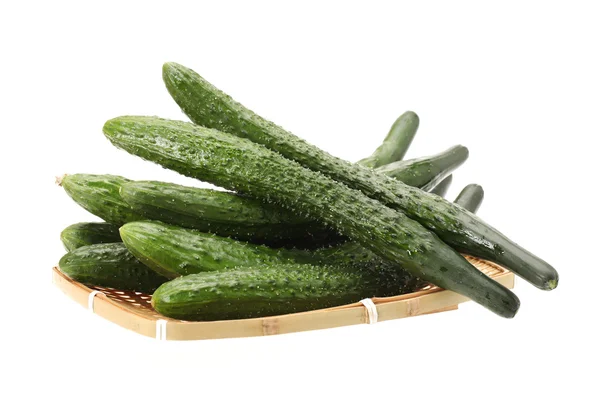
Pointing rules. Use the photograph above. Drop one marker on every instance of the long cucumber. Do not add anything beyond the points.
(229, 214)
(119, 200)
(240, 293)
(396, 143)
(225, 214)
(207, 106)
(174, 251)
(246, 167)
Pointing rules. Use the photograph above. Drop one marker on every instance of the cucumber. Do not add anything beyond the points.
(396, 143)
(119, 200)
(229, 214)
(427, 172)
(174, 251)
(225, 214)
(110, 265)
(470, 197)
(241, 293)
(249, 168)
(207, 106)
(441, 189)
(99, 195)
(82, 234)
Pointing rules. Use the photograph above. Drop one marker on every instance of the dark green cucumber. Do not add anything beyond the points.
(441, 189)
(241, 293)
(99, 195)
(225, 214)
(396, 143)
(207, 106)
(470, 197)
(427, 172)
(229, 214)
(110, 265)
(246, 167)
(82, 234)
(174, 251)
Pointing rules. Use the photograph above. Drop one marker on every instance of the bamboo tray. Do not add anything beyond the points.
(132, 310)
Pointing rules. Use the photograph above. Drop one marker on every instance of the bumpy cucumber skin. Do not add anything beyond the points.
(470, 197)
(427, 172)
(82, 234)
(396, 143)
(244, 166)
(174, 251)
(225, 214)
(208, 106)
(110, 265)
(99, 195)
(442, 188)
(241, 293)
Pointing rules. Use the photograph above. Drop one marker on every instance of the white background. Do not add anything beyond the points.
(518, 83)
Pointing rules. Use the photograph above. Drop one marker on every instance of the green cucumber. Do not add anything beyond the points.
(470, 197)
(174, 251)
(99, 195)
(427, 172)
(207, 106)
(224, 213)
(109, 265)
(396, 143)
(246, 167)
(441, 189)
(119, 200)
(265, 291)
(232, 215)
(82, 234)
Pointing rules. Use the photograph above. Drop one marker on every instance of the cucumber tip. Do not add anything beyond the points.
(59, 179)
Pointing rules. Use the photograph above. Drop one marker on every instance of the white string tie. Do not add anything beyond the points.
(371, 310)
(161, 329)
(91, 298)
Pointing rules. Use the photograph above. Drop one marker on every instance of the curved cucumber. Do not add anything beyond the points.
(207, 106)
(223, 213)
(427, 172)
(99, 195)
(265, 291)
(441, 189)
(82, 234)
(470, 197)
(207, 154)
(396, 143)
(175, 251)
(109, 265)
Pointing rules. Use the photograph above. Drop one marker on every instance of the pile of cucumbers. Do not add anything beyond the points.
(293, 228)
